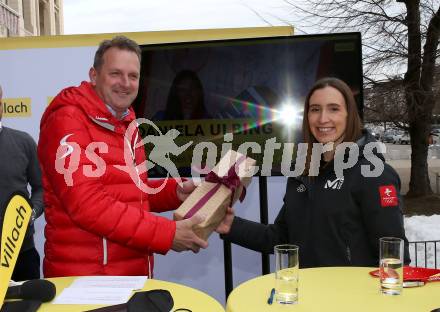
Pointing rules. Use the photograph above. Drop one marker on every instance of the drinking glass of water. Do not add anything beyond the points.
(286, 274)
(391, 265)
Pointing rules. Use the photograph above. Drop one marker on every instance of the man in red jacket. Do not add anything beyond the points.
(99, 221)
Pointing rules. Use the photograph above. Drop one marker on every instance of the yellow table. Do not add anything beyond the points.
(183, 296)
(334, 289)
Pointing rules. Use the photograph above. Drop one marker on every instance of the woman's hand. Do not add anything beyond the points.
(225, 226)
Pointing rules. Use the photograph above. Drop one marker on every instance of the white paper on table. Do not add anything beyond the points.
(100, 290)
(131, 282)
(95, 295)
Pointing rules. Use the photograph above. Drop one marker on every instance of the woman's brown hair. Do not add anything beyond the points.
(353, 130)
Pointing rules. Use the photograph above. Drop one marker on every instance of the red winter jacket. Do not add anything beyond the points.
(98, 221)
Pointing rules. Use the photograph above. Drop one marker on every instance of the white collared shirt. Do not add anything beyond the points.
(114, 112)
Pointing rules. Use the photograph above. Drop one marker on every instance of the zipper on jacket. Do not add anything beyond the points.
(104, 247)
(347, 246)
(149, 267)
(348, 251)
(133, 157)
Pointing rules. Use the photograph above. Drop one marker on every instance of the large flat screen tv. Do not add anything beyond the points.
(251, 90)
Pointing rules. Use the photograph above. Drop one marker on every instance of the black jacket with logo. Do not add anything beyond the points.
(335, 222)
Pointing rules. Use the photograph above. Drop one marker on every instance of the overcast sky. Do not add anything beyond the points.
(102, 16)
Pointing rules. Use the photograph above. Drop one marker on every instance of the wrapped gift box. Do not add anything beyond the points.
(223, 186)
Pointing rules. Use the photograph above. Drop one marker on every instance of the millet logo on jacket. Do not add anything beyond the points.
(336, 184)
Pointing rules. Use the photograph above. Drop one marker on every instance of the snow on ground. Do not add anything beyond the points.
(423, 228)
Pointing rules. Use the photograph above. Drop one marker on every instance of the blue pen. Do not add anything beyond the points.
(270, 299)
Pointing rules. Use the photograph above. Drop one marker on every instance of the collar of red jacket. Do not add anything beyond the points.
(85, 98)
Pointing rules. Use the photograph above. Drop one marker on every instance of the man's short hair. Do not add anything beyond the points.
(120, 42)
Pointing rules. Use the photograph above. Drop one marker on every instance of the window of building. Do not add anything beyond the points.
(26, 6)
(42, 15)
(57, 22)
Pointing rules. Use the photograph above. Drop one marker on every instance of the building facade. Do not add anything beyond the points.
(31, 18)
(386, 102)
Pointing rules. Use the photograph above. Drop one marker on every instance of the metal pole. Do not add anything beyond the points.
(264, 219)
(227, 260)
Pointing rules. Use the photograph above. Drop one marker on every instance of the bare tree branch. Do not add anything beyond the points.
(400, 50)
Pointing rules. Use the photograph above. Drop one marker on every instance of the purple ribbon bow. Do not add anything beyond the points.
(231, 180)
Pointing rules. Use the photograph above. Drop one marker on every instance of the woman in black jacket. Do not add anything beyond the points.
(335, 213)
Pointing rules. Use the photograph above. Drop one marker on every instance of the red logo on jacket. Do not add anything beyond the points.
(388, 196)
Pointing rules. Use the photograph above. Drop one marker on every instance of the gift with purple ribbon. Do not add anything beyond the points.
(223, 186)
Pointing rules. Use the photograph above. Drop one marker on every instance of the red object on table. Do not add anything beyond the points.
(416, 274)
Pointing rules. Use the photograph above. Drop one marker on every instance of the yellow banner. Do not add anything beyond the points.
(49, 99)
(17, 107)
(15, 223)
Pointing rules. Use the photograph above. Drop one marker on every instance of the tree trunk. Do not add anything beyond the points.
(419, 183)
(419, 117)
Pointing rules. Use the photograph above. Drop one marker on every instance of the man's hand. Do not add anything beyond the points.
(225, 226)
(185, 190)
(185, 238)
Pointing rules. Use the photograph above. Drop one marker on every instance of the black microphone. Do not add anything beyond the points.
(21, 306)
(40, 290)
